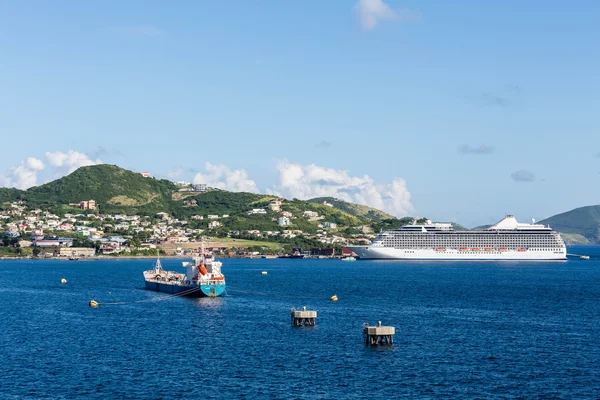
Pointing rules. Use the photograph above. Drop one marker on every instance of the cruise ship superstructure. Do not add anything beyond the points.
(506, 240)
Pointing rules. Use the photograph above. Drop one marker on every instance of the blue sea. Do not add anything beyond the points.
(463, 330)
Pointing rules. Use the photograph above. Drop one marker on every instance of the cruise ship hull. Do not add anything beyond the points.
(205, 289)
(389, 253)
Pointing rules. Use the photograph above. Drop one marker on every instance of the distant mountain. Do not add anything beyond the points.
(578, 226)
(358, 210)
(458, 227)
(481, 227)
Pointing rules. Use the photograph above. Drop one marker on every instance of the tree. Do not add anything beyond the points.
(134, 242)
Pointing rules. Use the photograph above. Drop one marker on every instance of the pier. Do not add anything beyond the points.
(303, 317)
(379, 334)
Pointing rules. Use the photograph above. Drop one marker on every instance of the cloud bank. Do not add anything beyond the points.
(309, 181)
(371, 12)
(222, 177)
(26, 174)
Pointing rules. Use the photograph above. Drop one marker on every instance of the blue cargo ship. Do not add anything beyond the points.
(203, 278)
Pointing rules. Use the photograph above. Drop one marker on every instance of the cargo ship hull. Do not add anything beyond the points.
(202, 290)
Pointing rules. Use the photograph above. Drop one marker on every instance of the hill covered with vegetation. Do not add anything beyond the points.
(119, 191)
(578, 226)
(116, 189)
(358, 210)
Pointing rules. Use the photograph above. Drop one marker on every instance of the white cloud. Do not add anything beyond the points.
(371, 12)
(309, 181)
(24, 175)
(69, 161)
(34, 164)
(176, 174)
(222, 177)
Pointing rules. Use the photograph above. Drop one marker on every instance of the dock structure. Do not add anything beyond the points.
(303, 317)
(379, 334)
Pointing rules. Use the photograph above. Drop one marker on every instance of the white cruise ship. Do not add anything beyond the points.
(507, 240)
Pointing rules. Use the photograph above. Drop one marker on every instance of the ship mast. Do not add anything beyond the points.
(202, 249)
(158, 266)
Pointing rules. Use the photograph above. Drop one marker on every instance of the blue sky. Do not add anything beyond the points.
(459, 111)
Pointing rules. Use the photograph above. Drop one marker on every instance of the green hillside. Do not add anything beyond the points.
(482, 227)
(117, 190)
(10, 194)
(358, 210)
(114, 188)
(580, 222)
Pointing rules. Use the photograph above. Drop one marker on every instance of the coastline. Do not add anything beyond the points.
(2, 258)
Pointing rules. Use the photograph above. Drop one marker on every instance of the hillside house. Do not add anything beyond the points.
(275, 205)
(310, 214)
(283, 221)
(87, 205)
(257, 211)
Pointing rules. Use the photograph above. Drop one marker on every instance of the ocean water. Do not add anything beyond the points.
(463, 330)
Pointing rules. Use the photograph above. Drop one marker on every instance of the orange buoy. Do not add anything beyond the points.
(203, 270)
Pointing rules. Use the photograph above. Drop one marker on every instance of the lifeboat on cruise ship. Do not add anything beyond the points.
(464, 249)
(502, 249)
(440, 249)
(488, 249)
(476, 249)
(521, 249)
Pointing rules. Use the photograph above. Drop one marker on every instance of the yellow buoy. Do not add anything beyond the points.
(63, 280)
(93, 303)
(334, 298)
(264, 272)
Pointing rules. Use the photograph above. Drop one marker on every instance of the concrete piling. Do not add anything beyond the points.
(303, 317)
(378, 335)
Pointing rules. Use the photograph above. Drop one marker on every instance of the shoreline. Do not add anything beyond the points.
(2, 258)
